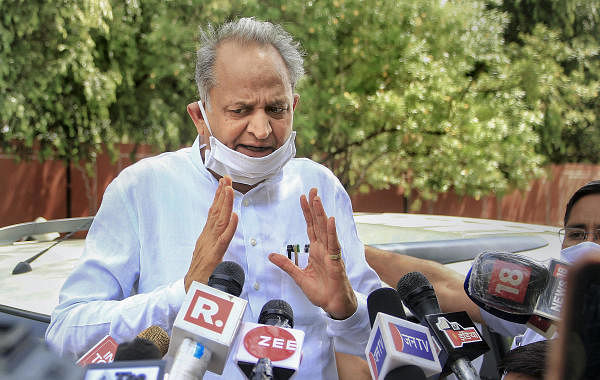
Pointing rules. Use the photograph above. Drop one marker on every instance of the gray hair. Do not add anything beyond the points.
(245, 30)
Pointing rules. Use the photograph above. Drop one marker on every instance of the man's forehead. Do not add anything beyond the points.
(586, 212)
(235, 57)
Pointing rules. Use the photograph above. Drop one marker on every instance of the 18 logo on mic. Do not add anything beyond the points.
(509, 281)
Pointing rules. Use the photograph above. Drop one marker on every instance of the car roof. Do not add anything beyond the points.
(455, 241)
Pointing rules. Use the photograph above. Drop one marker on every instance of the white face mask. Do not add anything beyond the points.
(575, 252)
(241, 168)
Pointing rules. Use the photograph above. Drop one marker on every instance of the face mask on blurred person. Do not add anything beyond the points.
(241, 168)
(574, 252)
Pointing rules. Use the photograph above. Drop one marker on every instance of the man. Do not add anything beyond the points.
(156, 231)
(582, 224)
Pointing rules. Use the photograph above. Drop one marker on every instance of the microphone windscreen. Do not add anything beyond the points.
(228, 276)
(276, 309)
(506, 281)
(410, 282)
(137, 349)
(158, 336)
(411, 372)
(387, 301)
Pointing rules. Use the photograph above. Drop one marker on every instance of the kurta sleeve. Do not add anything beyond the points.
(100, 296)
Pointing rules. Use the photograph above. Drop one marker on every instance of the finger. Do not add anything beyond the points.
(312, 194)
(288, 267)
(227, 235)
(320, 220)
(308, 218)
(227, 181)
(333, 244)
(214, 208)
(225, 207)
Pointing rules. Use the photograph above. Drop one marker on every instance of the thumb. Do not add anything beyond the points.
(287, 266)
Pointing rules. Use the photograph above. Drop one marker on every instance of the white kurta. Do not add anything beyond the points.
(140, 245)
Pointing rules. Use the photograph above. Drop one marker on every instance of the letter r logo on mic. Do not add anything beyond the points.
(208, 311)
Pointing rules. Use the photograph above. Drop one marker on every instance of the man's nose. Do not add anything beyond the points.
(260, 126)
(591, 236)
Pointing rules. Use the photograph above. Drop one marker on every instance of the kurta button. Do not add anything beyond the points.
(256, 286)
(253, 242)
(246, 203)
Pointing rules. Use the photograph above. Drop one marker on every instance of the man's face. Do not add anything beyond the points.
(585, 214)
(252, 105)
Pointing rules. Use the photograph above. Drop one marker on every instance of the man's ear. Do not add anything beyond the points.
(296, 98)
(194, 111)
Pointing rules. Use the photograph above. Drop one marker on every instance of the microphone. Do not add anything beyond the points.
(207, 323)
(506, 282)
(263, 370)
(277, 313)
(517, 289)
(575, 354)
(272, 345)
(455, 332)
(102, 352)
(152, 343)
(397, 348)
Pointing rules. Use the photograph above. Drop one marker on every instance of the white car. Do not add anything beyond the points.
(453, 241)
(31, 296)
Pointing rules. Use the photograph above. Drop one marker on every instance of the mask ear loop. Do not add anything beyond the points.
(204, 116)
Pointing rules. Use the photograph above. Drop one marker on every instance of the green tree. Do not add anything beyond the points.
(53, 95)
(418, 94)
(555, 49)
(412, 94)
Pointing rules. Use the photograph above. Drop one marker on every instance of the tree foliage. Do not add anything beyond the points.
(555, 47)
(465, 95)
(52, 93)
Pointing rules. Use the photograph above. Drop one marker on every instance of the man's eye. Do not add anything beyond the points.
(277, 109)
(575, 235)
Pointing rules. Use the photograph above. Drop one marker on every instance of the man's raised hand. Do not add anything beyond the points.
(324, 280)
(215, 237)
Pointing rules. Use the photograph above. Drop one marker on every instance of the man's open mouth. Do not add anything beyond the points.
(258, 149)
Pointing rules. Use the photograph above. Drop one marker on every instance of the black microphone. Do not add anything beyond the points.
(277, 313)
(455, 332)
(411, 372)
(397, 349)
(207, 323)
(506, 285)
(150, 344)
(384, 300)
(228, 277)
(271, 348)
(418, 295)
